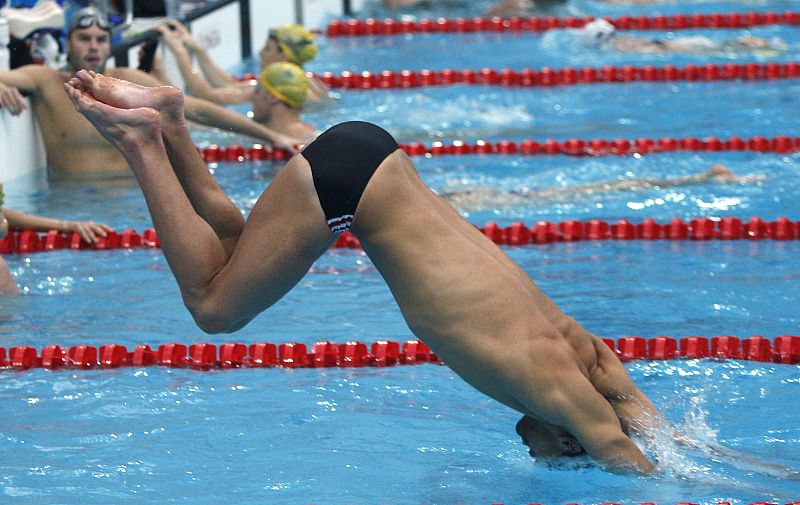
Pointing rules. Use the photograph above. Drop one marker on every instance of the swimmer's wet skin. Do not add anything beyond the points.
(497, 330)
(340, 173)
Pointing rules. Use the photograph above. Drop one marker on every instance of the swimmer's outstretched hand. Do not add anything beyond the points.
(88, 230)
(288, 142)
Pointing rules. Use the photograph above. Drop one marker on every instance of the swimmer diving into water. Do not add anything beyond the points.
(496, 330)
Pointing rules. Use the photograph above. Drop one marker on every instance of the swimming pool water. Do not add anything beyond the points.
(413, 435)
(405, 435)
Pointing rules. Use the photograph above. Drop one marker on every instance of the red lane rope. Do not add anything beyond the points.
(699, 229)
(517, 234)
(784, 349)
(388, 79)
(781, 144)
(358, 27)
(29, 241)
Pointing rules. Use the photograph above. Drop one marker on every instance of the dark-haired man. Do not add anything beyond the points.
(73, 146)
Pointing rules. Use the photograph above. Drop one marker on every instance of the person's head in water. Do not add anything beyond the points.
(598, 33)
(281, 83)
(546, 440)
(292, 43)
(88, 40)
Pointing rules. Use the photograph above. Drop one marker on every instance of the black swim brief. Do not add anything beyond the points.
(342, 161)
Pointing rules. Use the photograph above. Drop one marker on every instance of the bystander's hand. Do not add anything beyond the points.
(88, 230)
(11, 99)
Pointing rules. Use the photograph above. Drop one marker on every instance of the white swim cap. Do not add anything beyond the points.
(597, 33)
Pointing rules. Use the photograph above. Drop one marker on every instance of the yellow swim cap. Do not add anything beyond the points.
(287, 82)
(296, 42)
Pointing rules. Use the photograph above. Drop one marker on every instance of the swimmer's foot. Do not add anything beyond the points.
(127, 95)
(129, 130)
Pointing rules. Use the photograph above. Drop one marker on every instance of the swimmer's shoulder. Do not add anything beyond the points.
(38, 76)
(38, 81)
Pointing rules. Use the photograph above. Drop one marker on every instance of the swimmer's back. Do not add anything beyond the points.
(454, 286)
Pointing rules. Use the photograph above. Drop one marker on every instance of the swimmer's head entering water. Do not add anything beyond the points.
(597, 33)
(546, 440)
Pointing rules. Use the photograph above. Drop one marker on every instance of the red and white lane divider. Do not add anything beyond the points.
(359, 27)
(781, 144)
(546, 77)
(325, 354)
(700, 229)
(543, 232)
(29, 241)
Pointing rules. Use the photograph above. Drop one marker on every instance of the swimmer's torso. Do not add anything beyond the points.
(73, 144)
(457, 291)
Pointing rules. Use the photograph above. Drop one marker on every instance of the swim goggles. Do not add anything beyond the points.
(89, 19)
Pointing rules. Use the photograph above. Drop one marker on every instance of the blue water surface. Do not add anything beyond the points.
(420, 435)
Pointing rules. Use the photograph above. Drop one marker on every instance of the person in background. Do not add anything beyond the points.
(16, 220)
(602, 34)
(279, 99)
(73, 147)
(486, 197)
(289, 43)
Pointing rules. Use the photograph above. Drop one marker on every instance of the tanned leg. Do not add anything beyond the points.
(192, 248)
(207, 198)
(285, 232)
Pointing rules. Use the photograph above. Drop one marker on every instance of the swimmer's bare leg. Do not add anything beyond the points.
(285, 232)
(192, 249)
(207, 198)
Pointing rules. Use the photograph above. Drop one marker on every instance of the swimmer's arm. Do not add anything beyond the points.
(563, 395)
(216, 76)
(591, 419)
(196, 83)
(88, 230)
(15, 82)
(211, 114)
(638, 415)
